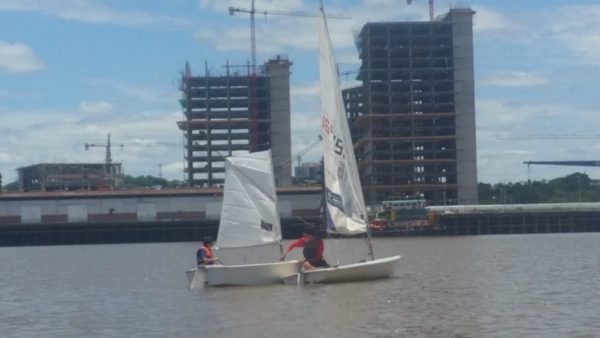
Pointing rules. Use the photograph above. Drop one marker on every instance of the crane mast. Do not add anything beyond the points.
(298, 155)
(108, 157)
(253, 38)
(408, 2)
(252, 78)
(253, 10)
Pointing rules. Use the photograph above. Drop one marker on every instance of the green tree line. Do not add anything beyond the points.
(577, 187)
(129, 182)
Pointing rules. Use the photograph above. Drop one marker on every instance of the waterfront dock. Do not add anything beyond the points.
(516, 218)
(179, 215)
(133, 216)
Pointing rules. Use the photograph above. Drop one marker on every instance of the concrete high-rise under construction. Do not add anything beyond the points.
(234, 113)
(413, 117)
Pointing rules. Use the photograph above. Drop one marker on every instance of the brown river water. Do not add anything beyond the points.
(474, 286)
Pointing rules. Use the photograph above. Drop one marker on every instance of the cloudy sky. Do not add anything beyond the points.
(72, 71)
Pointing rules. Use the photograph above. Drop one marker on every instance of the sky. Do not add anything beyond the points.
(72, 71)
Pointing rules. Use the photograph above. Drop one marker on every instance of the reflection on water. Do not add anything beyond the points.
(478, 286)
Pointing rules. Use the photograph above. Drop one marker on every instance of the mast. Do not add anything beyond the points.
(344, 200)
(323, 198)
(369, 241)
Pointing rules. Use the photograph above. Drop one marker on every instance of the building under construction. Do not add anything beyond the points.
(413, 118)
(236, 112)
(70, 176)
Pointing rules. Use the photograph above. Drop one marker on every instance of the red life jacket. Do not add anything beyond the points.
(208, 254)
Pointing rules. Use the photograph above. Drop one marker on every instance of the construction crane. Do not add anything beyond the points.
(109, 145)
(408, 2)
(570, 163)
(347, 73)
(108, 160)
(560, 163)
(577, 163)
(252, 11)
(550, 137)
(109, 175)
(298, 155)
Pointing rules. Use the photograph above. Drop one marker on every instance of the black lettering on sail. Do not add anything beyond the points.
(266, 226)
(334, 199)
(338, 145)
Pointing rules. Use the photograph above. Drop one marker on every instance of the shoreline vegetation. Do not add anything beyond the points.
(576, 187)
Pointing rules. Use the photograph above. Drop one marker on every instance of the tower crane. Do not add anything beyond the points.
(108, 160)
(108, 172)
(298, 155)
(577, 163)
(109, 145)
(252, 11)
(408, 2)
(550, 137)
(570, 163)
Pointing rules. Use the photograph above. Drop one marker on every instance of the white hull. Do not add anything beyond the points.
(376, 269)
(247, 274)
(194, 278)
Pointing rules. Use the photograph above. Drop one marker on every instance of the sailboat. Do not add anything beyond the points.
(249, 218)
(344, 202)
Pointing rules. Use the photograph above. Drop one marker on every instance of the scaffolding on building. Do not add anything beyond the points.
(405, 117)
(70, 176)
(235, 112)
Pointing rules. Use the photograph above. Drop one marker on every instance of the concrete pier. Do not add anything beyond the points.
(516, 218)
(133, 216)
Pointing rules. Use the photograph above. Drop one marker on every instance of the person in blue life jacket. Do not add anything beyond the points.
(204, 255)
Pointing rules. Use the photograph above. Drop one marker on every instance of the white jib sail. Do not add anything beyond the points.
(346, 211)
(249, 214)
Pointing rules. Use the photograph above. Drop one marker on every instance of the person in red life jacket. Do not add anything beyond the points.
(204, 255)
(313, 249)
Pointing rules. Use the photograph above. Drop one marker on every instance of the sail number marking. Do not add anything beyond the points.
(338, 143)
(326, 125)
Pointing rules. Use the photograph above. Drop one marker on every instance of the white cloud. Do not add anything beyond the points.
(18, 58)
(281, 34)
(173, 170)
(501, 124)
(27, 96)
(306, 123)
(90, 11)
(348, 57)
(137, 92)
(223, 5)
(307, 94)
(487, 20)
(149, 138)
(569, 34)
(560, 29)
(305, 89)
(538, 118)
(515, 79)
(380, 2)
(95, 107)
(561, 40)
(578, 28)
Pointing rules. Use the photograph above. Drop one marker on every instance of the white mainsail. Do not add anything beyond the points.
(346, 211)
(249, 215)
